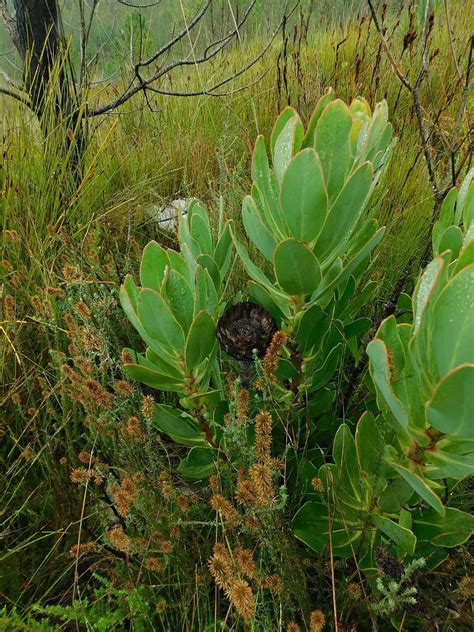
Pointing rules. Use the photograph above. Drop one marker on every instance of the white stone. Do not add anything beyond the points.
(168, 216)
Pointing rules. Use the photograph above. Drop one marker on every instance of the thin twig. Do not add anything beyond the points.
(15, 95)
(450, 36)
(211, 51)
(414, 91)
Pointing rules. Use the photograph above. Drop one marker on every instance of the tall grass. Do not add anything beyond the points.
(66, 242)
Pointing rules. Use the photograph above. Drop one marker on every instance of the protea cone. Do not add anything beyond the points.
(243, 328)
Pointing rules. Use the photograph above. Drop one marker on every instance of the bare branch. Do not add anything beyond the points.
(220, 45)
(424, 46)
(15, 95)
(388, 52)
(85, 36)
(414, 90)
(210, 52)
(179, 36)
(139, 6)
(451, 43)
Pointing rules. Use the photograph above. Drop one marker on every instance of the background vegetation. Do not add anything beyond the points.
(66, 248)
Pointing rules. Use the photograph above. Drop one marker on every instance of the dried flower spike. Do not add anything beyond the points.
(263, 436)
(317, 621)
(273, 355)
(241, 596)
(220, 568)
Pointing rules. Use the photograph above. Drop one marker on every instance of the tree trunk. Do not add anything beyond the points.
(38, 43)
(48, 75)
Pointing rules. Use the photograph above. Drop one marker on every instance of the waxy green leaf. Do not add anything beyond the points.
(303, 196)
(296, 268)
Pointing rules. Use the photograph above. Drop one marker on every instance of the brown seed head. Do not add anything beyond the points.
(245, 492)
(242, 404)
(119, 539)
(261, 477)
(241, 597)
(11, 235)
(123, 388)
(272, 356)
(228, 512)
(9, 307)
(83, 310)
(166, 547)
(221, 570)
(154, 564)
(354, 590)
(134, 430)
(466, 587)
(125, 494)
(148, 407)
(84, 548)
(317, 621)
(274, 583)
(127, 357)
(161, 606)
(245, 562)
(80, 475)
(317, 484)
(71, 273)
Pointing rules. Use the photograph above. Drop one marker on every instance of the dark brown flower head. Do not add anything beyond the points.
(243, 328)
(388, 564)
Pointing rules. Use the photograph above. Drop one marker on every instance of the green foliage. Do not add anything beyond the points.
(396, 595)
(176, 307)
(314, 199)
(424, 372)
(109, 608)
(422, 443)
(141, 159)
(308, 217)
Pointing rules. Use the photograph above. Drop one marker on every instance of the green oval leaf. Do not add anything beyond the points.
(180, 298)
(177, 424)
(201, 232)
(158, 321)
(205, 295)
(452, 338)
(369, 444)
(303, 196)
(200, 463)
(256, 229)
(308, 140)
(451, 410)
(150, 377)
(420, 487)
(344, 215)
(403, 538)
(452, 529)
(286, 139)
(153, 265)
(296, 268)
(201, 340)
(331, 141)
(206, 261)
